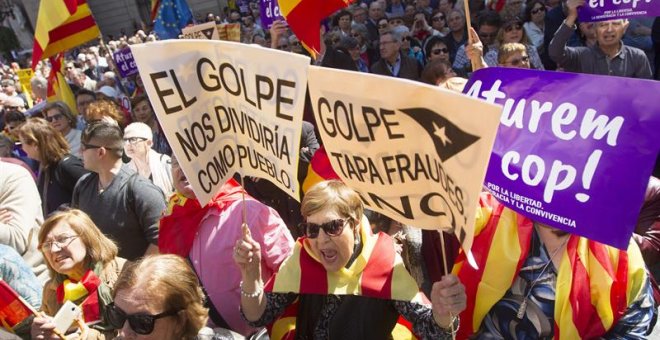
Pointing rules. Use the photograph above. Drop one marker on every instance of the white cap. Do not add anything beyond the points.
(108, 92)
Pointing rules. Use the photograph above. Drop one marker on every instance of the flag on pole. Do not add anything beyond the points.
(155, 4)
(173, 15)
(13, 310)
(61, 25)
(304, 17)
(58, 88)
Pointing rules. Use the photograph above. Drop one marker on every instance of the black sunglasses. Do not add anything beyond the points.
(332, 228)
(540, 9)
(516, 27)
(440, 50)
(54, 117)
(142, 324)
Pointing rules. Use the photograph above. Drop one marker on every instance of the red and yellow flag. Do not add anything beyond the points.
(304, 17)
(61, 25)
(85, 290)
(58, 88)
(13, 310)
(319, 170)
(155, 4)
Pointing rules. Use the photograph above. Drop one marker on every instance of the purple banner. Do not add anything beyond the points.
(125, 62)
(600, 10)
(270, 11)
(573, 151)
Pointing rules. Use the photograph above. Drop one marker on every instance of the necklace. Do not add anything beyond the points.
(523, 306)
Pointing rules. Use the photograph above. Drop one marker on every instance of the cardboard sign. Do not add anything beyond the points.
(414, 152)
(226, 108)
(206, 31)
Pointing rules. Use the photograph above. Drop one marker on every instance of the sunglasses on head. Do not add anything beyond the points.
(142, 324)
(331, 228)
(516, 27)
(437, 51)
(540, 9)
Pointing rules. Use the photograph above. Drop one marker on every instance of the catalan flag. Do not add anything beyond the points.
(61, 25)
(378, 272)
(58, 88)
(595, 282)
(172, 16)
(304, 17)
(13, 310)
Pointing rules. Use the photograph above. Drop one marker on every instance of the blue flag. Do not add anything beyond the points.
(173, 15)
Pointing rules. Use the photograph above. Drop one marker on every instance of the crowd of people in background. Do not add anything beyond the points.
(89, 195)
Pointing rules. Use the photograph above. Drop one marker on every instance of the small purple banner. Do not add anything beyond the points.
(270, 11)
(573, 151)
(125, 62)
(600, 10)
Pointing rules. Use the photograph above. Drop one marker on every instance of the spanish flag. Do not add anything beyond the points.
(304, 17)
(377, 272)
(61, 25)
(319, 170)
(13, 310)
(83, 293)
(595, 282)
(155, 4)
(58, 88)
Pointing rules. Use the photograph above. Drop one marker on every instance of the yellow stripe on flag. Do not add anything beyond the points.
(601, 286)
(636, 272)
(72, 41)
(286, 6)
(288, 280)
(563, 312)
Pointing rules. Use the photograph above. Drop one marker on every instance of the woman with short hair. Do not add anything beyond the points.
(59, 170)
(336, 277)
(83, 266)
(159, 297)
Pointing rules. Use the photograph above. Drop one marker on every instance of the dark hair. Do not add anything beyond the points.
(107, 134)
(138, 99)
(14, 116)
(528, 9)
(434, 70)
(338, 58)
(490, 18)
(342, 13)
(430, 42)
(6, 145)
(64, 109)
(84, 91)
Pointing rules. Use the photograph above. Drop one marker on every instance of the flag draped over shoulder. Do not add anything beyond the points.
(595, 282)
(304, 17)
(171, 17)
(58, 88)
(13, 310)
(377, 272)
(61, 25)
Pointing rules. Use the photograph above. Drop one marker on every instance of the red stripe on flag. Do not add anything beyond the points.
(321, 164)
(313, 277)
(618, 292)
(585, 315)
(377, 274)
(37, 52)
(71, 5)
(525, 229)
(70, 29)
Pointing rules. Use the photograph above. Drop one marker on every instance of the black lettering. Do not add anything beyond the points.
(405, 211)
(384, 113)
(164, 93)
(216, 81)
(281, 99)
(324, 102)
(263, 95)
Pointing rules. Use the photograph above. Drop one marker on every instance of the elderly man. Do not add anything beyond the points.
(123, 205)
(207, 233)
(608, 57)
(393, 63)
(157, 167)
(536, 282)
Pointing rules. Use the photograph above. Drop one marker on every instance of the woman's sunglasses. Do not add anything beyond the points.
(332, 228)
(540, 9)
(440, 50)
(140, 323)
(516, 27)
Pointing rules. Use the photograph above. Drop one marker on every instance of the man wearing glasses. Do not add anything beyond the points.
(608, 57)
(393, 63)
(125, 206)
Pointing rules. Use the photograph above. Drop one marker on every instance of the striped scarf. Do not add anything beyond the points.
(595, 282)
(377, 272)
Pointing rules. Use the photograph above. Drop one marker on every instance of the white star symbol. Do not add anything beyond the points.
(440, 133)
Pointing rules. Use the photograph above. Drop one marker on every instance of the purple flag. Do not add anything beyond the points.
(270, 11)
(573, 151)
(600, 10)
(125, 62)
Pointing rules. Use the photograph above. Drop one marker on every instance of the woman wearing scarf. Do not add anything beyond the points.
(343, 282)
(83, 267)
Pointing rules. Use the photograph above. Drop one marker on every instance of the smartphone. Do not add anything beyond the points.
(68, 313)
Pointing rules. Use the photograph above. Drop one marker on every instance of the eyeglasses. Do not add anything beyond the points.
(141, 323)
(134, 140)
(54, 117)
(519, 61)
(440, 50)
(516, 27)
(332, 228)
(540, 9)
(61, 241)
(438, 18)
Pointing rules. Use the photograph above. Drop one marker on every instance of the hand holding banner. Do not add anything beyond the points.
(227, 107)
(573, 151)
(414, 152)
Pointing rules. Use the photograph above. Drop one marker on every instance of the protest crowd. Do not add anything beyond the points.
(95, 207)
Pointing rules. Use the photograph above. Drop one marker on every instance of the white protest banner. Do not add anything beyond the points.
(414, 152)
(227, 107)
(207, 30)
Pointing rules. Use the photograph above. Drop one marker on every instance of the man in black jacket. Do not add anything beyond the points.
(393, 63)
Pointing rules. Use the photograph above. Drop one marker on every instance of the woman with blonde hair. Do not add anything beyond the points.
(59, 170)
(513, 55)
(83, 266)
(159, 297)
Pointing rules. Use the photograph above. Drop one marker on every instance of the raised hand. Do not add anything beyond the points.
(247, 255)
(448, 300)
